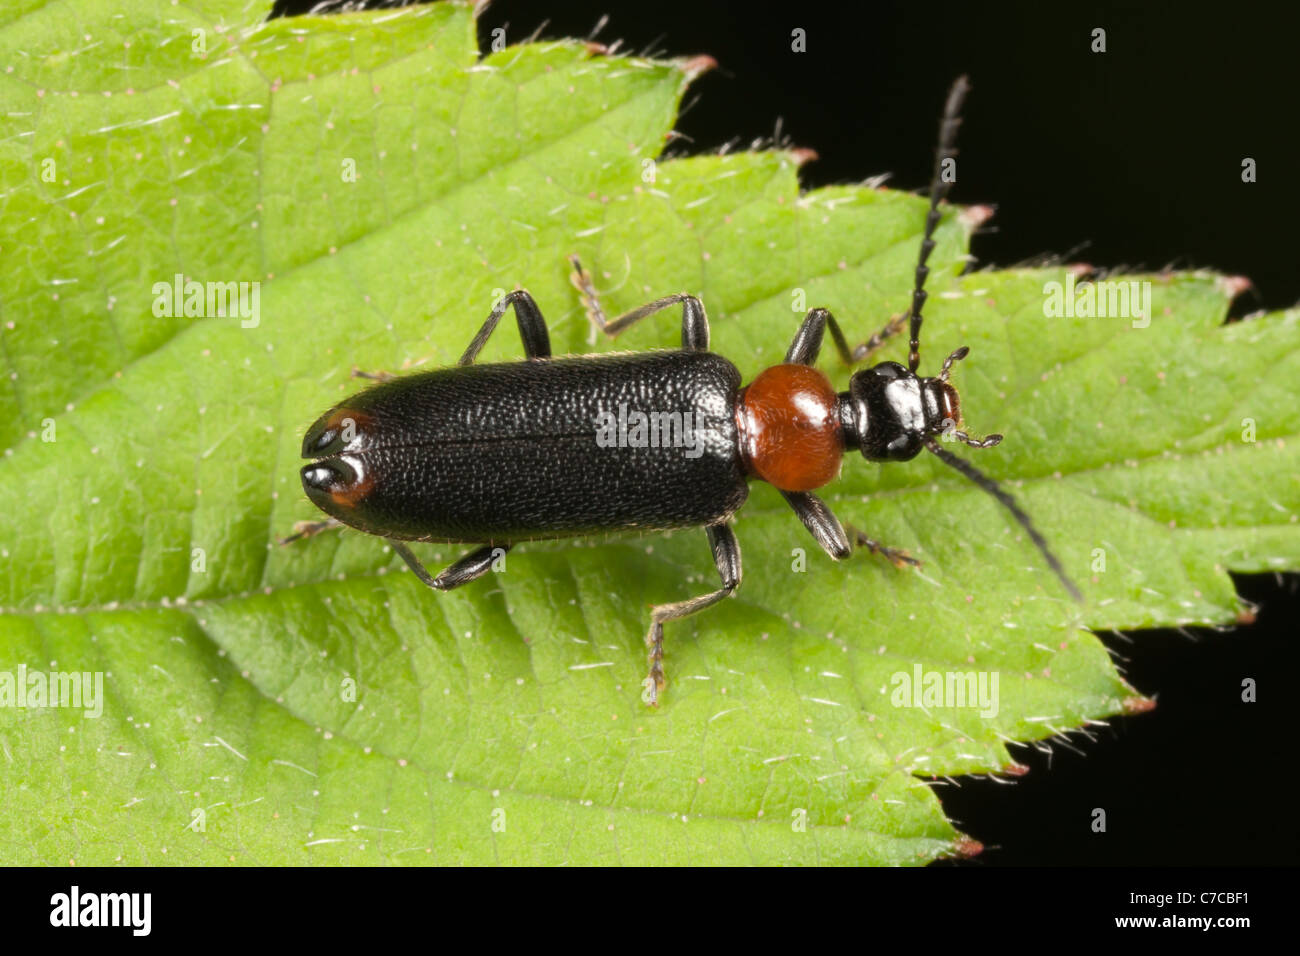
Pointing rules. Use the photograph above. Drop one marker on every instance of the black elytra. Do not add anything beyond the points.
(548, 447)
(506, 452)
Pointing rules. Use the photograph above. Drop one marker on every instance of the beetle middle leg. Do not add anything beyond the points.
(726, 555)
(695, 324)
(468, 568)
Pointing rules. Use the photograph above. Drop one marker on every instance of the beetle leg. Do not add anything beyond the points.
(808, 340)
(695, 324)
(581, 280)
(373, 376)
(825, 527)
(892, 327)
(820, 522)
(898, 557)
(807, 344)
(305, 529)
(726, 555)
(470, 567)
(532, 327)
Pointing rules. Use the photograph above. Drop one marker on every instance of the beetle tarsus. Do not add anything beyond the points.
(654, 681)
(581, 280)
(895, 556)
(373, 376)
(871, 345)
(726, 555)
(306, 529)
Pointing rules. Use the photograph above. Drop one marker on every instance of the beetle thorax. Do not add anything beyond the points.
(789, 428)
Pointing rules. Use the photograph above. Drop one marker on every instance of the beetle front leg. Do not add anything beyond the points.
(808, 340)
(469, 568)
(807, 344)
(822, 524)
(896, 556)
(726, 555)
(892, 328)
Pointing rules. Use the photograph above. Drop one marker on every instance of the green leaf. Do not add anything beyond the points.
(151, 464)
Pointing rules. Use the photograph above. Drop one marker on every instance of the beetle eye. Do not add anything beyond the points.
(951, 404)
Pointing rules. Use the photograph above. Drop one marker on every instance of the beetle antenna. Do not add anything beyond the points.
(956, 356)
(966, 439)
(938, 190)
(996, 490)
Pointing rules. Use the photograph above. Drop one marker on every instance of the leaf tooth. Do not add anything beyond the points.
(696, 66)
(1138, 705)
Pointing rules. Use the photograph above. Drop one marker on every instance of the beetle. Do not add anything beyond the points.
(498, 453)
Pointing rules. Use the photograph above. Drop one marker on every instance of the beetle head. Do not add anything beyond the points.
(894, 412)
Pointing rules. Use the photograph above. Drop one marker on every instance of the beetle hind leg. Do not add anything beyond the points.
(532, 327)
(379, 376)
(726, 555)
(306, 529)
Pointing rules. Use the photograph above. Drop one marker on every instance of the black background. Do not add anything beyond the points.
(1130, 157)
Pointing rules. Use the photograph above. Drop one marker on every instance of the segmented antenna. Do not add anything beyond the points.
(993, 488)
(938, 190)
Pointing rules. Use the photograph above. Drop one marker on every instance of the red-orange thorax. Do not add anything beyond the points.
(790, 431)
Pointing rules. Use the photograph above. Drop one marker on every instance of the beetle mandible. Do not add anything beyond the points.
(499, 453)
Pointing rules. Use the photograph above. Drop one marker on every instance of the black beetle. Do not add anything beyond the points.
(560, 447)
